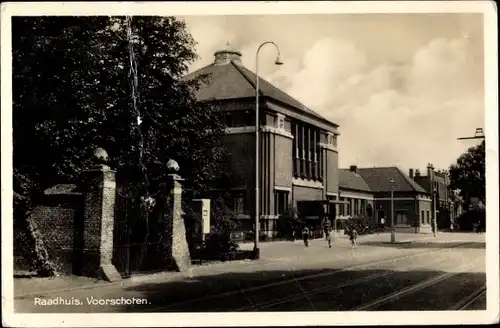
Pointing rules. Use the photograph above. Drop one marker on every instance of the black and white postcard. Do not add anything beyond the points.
(249, 163)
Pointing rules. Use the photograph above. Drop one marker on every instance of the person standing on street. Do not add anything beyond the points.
(382, 225)
(329, 236)
(305, 236)
(353, 237)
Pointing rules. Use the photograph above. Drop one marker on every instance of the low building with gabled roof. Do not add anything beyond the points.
(365, 189)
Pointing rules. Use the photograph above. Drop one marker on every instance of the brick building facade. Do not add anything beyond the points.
(298, 147)
(368, 191)
(355, 191)
(437, 183)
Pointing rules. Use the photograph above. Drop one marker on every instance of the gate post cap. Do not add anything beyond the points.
(173, 166)
(100, 156)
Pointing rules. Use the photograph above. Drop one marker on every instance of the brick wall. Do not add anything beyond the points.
(241, 148)
(426, 207)
(59, 220)
(332, 174)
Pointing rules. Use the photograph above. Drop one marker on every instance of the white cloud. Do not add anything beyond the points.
(210, 37)
(405, 113)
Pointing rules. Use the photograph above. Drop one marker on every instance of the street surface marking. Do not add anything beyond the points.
(468, 300)
(279, 283)
(413, 289)
(323, 289)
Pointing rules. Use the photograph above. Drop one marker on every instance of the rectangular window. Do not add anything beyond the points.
(401, 217)
(295, 146)
(423, 217)
(280, 202)
(249, 118)
(229, 119)
(239, 204)
(428, 217)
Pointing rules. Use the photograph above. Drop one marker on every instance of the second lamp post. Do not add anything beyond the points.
(257, 141)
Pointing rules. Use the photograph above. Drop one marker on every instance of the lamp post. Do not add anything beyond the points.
(479, 134)
(393, 231)
(417, 215)
(257, 127)
(434, 219)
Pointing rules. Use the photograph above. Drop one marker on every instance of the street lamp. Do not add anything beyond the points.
(417, 223)
(478, 135)
(393, 231)
(434, 219)
(257, 127)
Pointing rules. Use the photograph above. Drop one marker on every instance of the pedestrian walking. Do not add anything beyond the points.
(305, 236)
(353, 236)
(329, 236)
(381, 227)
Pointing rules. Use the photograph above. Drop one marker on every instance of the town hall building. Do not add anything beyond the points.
(298, 147)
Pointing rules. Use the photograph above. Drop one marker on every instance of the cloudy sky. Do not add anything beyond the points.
(402, 87)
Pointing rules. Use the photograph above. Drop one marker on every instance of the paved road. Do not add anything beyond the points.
(443, 274)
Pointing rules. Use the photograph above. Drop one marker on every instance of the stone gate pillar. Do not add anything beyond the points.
(176, 245)
(99, 189)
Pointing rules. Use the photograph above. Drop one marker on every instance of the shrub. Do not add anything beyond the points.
(467, 220)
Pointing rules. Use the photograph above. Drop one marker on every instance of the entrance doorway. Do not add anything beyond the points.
(381, 216)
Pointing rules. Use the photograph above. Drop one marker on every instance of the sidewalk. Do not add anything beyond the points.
(273, 254)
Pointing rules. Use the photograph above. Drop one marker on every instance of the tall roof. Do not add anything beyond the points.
(229, 79)
(378, 179)
(352, 180)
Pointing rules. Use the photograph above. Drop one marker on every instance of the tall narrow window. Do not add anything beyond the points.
(296, 150)
(423, 217)
(239, 204)
(281, 202)
(229, 119)
(309, 153)
(428, 217)
(369, 210)
(315, 155)
(306, 152)
(248, 118)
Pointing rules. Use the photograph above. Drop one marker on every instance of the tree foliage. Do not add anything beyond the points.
(71, 94)
(468, 173)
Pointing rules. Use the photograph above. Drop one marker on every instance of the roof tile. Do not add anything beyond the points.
(378, 179)
(351, 180)
(232, 81)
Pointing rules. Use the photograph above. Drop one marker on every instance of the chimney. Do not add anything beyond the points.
(411, 173)
(353, 168)
(417, 173)
(430, 171)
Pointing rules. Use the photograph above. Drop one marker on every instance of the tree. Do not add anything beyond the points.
(72, 93)
(468, 174)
